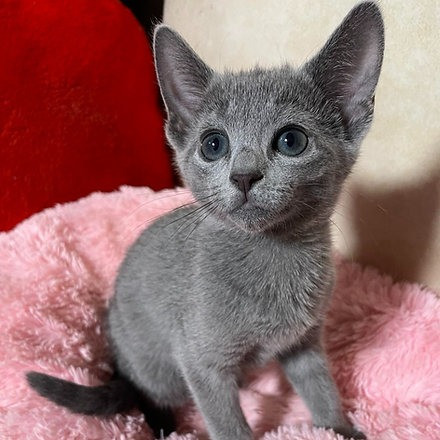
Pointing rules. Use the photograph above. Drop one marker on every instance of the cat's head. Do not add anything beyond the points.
(269, 147)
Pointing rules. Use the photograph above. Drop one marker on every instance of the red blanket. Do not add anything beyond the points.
(78, 104)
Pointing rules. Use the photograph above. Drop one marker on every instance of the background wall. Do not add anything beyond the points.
(389, 214)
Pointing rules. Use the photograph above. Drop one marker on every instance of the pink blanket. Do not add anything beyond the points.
(56, 275)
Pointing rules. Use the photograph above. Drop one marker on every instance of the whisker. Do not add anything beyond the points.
(150, 219)
(148, 202)
(189, 217)
(343, 237)
(368, 199)
(211, 209)
(186, 215)
(284, 191)
(308, 206)
(154, 218)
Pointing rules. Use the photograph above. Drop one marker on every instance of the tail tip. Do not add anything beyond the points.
(38, 381)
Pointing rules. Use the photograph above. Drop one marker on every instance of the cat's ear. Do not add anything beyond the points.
(183, 77)
(347, 68)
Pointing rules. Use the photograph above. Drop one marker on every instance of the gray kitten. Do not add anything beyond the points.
(244, 275)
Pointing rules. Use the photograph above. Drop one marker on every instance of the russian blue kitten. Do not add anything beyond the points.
(244, 275)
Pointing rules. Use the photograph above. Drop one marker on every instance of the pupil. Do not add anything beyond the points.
(215, 144)
(289, 139)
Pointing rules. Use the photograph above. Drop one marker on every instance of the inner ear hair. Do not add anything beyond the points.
(183, 77)
(347, 68)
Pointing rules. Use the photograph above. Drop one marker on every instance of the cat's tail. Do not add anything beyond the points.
(116, 396)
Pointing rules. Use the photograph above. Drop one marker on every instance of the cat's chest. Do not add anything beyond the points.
(274, 290)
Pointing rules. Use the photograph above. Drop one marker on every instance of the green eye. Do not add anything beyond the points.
(214, 146)
(291, 141)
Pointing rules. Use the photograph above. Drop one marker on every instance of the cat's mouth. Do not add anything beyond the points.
(246, 201)
(250, 216)
(254, 215)
(246, 204)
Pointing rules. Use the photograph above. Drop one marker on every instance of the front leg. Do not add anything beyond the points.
(215, 392)
(306, 368)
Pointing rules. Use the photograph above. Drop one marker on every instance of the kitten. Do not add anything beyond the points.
(243, 276)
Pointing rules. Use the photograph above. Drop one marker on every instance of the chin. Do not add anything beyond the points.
(252, 220)
(250, 226)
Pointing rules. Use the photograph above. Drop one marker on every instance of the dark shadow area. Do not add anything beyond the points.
(147, 12)
(395, 229)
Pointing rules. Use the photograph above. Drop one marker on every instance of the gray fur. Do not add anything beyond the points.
(208, 291)
(212, 289)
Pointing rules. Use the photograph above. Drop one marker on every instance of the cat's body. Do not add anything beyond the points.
(244, 275)
(262, 312)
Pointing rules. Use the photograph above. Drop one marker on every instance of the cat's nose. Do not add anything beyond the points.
(244, 181)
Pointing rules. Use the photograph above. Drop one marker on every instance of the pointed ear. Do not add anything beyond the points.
(183, 77)
(347, 68)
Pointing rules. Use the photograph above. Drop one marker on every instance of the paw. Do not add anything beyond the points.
(350, 433)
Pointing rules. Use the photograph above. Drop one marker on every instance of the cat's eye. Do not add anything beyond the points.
(214, 146)
(290, 141)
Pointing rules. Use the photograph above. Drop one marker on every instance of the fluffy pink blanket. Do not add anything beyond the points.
(56, 275)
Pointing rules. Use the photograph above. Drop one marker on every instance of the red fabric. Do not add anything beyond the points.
(78, 104)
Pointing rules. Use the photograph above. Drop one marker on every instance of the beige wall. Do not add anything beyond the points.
(389, 215)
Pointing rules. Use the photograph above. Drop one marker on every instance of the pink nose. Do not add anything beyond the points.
(244, 182)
